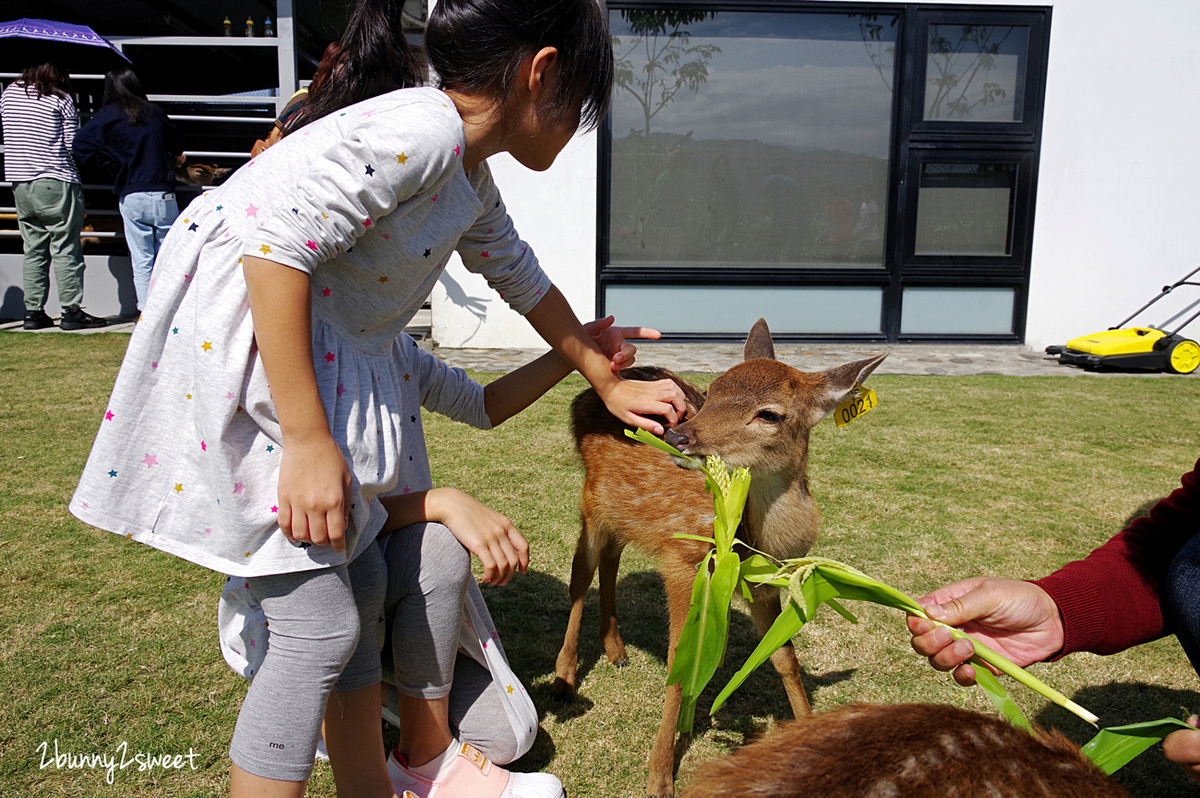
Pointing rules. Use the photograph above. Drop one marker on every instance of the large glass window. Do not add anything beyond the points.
(847, 171)
(750, 139)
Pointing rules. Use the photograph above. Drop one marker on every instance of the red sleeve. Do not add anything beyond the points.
(1110, 600)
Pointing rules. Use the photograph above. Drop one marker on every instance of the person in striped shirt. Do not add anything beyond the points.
(39, 122)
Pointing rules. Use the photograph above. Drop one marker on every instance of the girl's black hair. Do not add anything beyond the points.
(46, 79)
(477, 46)
(374, 60)
(122, 87)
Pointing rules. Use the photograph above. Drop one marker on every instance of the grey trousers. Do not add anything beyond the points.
(428, 570)
(50, 215)
(325, 631)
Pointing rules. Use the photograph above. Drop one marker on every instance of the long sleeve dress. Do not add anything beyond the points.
(370, 201)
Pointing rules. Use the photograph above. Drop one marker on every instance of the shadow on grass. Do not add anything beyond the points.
(642, 612)
(1150, 775)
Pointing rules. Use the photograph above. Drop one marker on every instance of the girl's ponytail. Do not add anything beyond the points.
(375, 59)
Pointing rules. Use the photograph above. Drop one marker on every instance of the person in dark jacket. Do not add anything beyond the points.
(133, 139)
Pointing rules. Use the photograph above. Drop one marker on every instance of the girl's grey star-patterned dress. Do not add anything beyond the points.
(370, 201)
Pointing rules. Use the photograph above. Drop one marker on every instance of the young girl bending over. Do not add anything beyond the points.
(258, 415)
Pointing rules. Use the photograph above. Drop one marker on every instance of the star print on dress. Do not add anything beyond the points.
(193, 227)
(330, 357)
(383, 279)
(370, 171)
(108, 415)
(112, 473)
(178, 487)
(367, 223)
(150, 460)
(206, 346)
(325, 291)
(428, 252)
(237, 487)
(265, 249)
(251, 211)
(401, 158)
(312, 245)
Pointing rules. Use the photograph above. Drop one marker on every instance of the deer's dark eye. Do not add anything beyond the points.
(769, 417)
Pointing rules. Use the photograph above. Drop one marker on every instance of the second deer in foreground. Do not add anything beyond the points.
(757, 415)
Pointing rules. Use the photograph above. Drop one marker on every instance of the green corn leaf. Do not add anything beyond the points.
(642, 436)
(687, 651)
(730, 505)
(991, 685)
(842, 611)
(707, 627)
(760, 570)
(784, 629)
(1114, 747)
(686, 536)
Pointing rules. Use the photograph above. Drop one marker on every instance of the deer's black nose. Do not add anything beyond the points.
(680, 440)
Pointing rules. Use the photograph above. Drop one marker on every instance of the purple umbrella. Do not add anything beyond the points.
(44, 30)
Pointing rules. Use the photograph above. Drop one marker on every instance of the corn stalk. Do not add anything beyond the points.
(811, 582)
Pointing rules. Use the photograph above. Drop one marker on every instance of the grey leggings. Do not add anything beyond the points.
(428, 571)
(316, 647)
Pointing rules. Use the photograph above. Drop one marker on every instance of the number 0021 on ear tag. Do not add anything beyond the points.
(859, 401)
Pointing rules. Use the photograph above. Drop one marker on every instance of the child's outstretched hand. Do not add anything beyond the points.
(487, 534)
(613, 341)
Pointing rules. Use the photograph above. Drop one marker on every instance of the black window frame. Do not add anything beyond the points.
(915, 141)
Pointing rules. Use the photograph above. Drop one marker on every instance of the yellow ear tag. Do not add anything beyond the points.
(859, 401)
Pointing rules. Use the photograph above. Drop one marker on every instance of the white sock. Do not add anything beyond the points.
(437, 768)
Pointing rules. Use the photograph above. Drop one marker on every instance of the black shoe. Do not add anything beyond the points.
(77, 319)
(37, 320)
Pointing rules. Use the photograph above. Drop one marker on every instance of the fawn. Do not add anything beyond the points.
(904, 751)
(758, 415)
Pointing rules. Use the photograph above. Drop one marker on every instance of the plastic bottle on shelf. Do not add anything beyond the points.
(268, 28)
(227, 26)
(250, 26)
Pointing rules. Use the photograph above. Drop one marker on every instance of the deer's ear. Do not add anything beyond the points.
(841, 380)
(758, 342)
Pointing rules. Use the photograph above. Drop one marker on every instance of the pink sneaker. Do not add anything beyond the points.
(473, 776)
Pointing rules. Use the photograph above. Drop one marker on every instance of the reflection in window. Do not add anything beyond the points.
(975, 72)
(750, 139)
(965, 209)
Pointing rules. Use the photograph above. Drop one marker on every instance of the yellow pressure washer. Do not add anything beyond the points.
(1135, 347)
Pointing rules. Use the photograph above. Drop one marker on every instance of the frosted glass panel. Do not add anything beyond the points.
(727, 309)
(974, 73)
(750, 138)
(957, 310)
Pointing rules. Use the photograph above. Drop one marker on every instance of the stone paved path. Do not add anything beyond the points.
(931, 359)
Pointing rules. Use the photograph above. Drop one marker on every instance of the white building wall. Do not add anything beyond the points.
(555, 212)
(1117, 200)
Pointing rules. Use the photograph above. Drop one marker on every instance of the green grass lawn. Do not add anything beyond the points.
(109, 647)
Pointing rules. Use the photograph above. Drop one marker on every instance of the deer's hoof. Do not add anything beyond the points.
(620, 663)
(562, 689)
